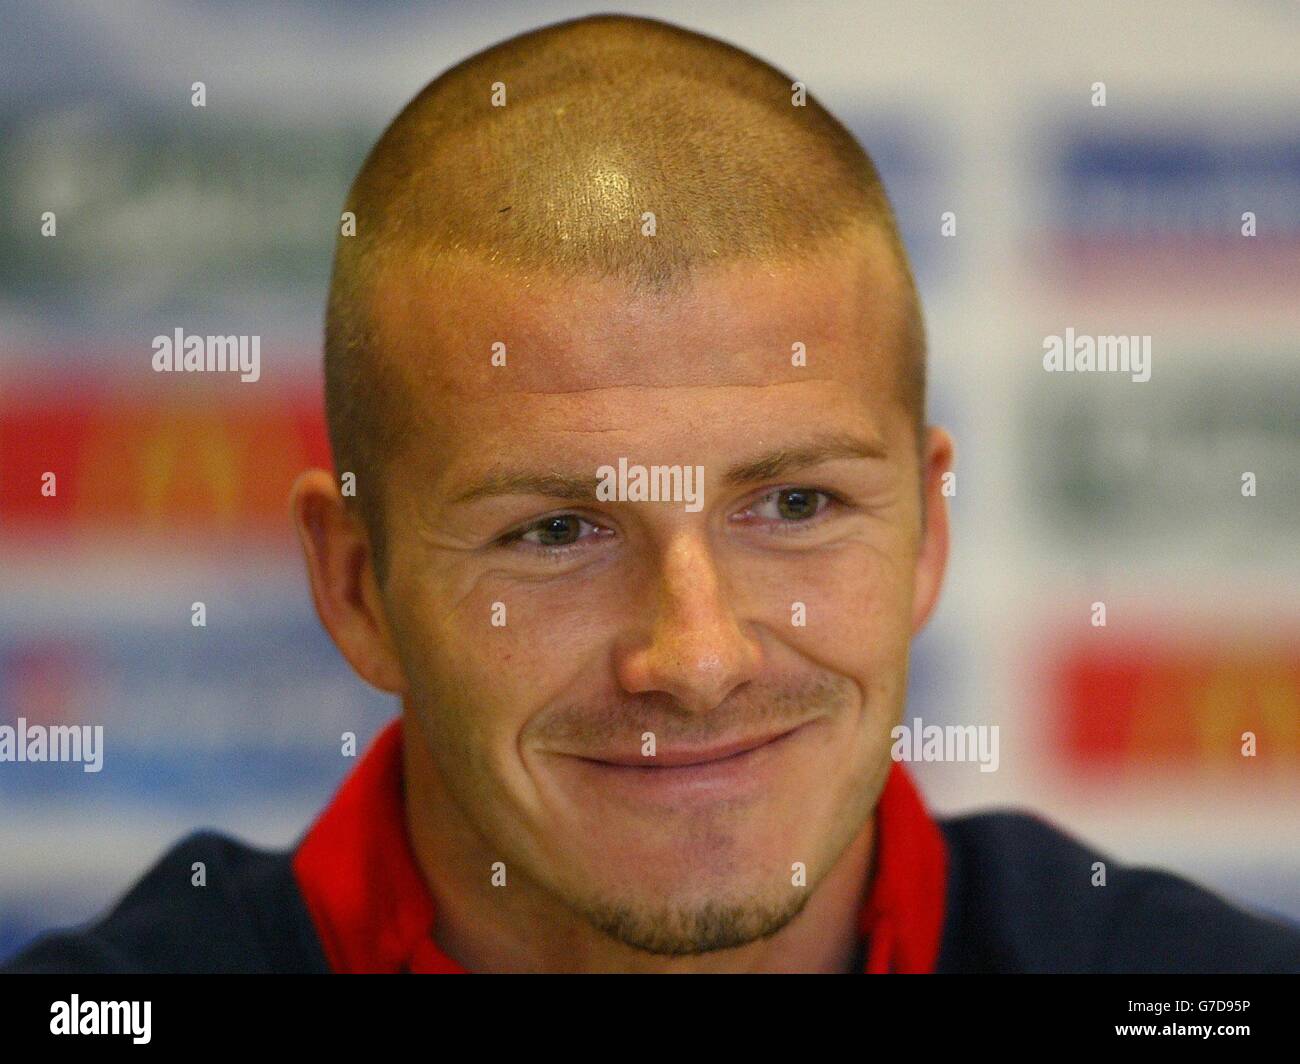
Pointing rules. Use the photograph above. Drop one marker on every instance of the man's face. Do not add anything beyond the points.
(757, 644)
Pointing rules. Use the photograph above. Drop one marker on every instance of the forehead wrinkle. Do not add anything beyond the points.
(655, 387)
(418, 377)
(727, 301)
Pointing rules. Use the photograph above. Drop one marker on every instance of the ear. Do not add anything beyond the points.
(932, 557)
(343, 585)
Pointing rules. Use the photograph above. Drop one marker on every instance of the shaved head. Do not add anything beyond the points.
(539, 159)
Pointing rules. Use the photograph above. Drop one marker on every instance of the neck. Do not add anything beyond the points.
(526, 928)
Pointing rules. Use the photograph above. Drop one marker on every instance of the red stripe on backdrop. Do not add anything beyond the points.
(214, 456)
(1183, 705)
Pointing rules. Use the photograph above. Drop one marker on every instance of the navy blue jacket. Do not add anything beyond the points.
(1018, 899)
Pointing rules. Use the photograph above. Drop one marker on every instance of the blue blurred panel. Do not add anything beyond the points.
(193, 718)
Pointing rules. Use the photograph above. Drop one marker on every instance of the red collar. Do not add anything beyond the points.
(373, 911)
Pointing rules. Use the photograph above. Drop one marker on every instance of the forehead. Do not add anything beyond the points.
(733, 326)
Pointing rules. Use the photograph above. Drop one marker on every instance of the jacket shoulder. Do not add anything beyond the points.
(246, 916)
(1021, 898)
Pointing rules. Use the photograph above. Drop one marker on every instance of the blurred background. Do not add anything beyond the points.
(1072, 489)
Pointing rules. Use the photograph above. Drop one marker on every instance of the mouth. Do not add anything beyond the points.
(739, 770)
(689, 757)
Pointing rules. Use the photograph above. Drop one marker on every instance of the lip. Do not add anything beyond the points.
(685, 757)
(738, 771)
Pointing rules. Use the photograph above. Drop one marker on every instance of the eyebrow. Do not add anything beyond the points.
(572, 487)
(827, 448)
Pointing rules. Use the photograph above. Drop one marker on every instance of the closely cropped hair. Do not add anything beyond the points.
(605, 118)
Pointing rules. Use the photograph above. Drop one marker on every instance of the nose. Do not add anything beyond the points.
(690, 645)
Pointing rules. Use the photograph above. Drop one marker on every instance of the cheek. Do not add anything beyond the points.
(482, 661)
(856, 606)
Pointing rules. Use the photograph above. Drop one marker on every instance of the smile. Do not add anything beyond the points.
(684, 757)
(737, 769)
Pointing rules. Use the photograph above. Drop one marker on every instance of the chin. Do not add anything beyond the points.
(694, 924)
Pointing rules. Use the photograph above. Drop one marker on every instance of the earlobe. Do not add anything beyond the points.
(932, 557)
(339, 570)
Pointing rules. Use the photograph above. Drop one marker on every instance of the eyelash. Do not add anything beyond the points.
(516, 539)
(794, 528)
